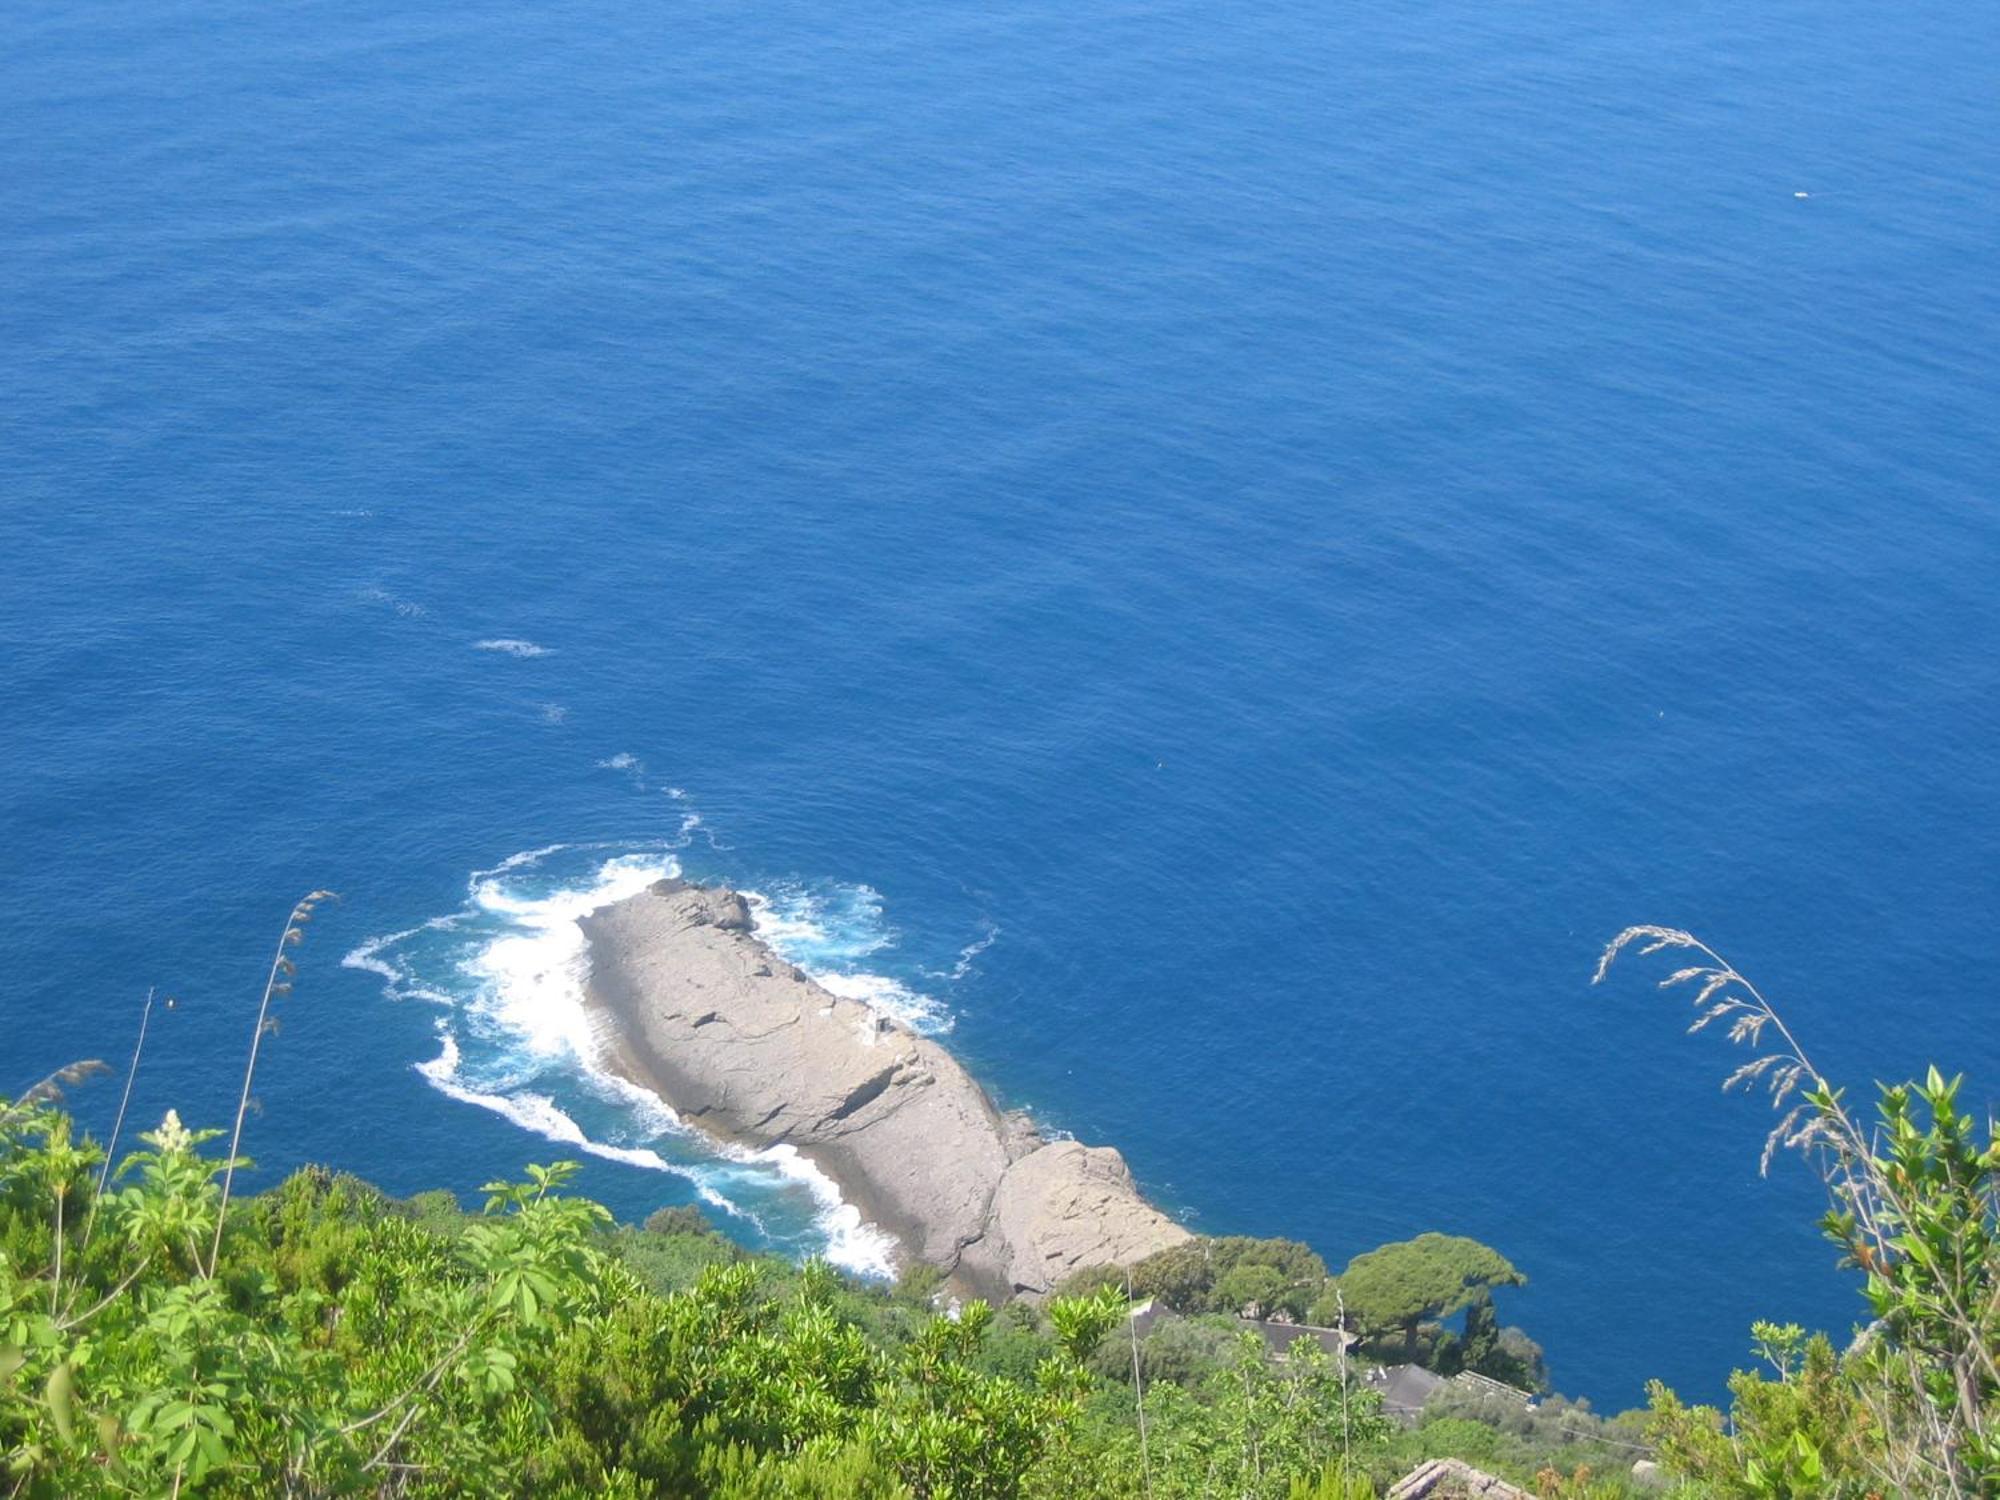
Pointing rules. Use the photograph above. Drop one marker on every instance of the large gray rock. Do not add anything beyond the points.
(1067, 1207)
(742, 1044)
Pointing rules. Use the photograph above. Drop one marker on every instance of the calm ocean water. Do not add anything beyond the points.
(1212, 554)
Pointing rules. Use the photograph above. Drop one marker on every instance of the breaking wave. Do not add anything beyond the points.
(507, 970)
(829, 930)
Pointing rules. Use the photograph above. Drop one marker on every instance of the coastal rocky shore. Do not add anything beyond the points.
(691, 1004)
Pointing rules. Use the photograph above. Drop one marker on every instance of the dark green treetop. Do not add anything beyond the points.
(1411, 1282)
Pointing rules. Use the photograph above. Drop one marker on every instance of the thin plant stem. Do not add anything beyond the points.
(280, 966)
(118, 1125)
(1854, 1152)
(1346, 1441)
(55, 1289)
(416, 1405)
(106, 1300)
(422, 1383)
(1876, 1201)
(1138, 1390)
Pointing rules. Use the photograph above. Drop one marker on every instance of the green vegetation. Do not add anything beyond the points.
(344, 1343)
(160, 1335)
(1912, 1406)
(1400, 1287)
(1392, 1298)
(1802, 1433)
(1504, 1354)
(1556, 1442)
(1233, 1274)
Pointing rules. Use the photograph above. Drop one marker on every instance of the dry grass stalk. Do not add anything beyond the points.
(50, 1089)
(1849, 1160)
(118, 1124)
(1721, 993)
(277, 983)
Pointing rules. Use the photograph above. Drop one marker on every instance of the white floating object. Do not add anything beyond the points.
(1802, 195)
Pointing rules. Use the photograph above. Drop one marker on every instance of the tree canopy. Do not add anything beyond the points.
(1233, 1274)
(1414, 1281)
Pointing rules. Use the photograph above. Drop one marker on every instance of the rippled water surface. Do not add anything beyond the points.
(1210, 555)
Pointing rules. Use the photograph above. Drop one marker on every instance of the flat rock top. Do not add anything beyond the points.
(743, 1044)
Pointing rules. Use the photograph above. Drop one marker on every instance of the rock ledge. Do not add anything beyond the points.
(691, 1004)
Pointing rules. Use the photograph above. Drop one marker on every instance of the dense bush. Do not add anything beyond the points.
(337, 1342)
(1233, 1274)
(341, 1344)
(1913, 1406)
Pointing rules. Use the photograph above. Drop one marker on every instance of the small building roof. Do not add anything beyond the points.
(1278, 1337)
(1149, 1314)
(1404, 1388)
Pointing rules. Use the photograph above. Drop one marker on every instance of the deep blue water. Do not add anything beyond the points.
(1289, 524)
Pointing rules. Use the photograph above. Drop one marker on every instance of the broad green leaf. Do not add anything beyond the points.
(61, 1396)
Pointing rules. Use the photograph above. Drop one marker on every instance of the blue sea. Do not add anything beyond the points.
(1209, 556)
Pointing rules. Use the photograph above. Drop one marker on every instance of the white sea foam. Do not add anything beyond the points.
(969, 953)
(531, 977)
(828, 935)
(890, 997)
(651, 1114)
(509, 645)
(542, 1116)
(852, 1243)
(630, 765)
(518, 861)
(808, 926)
(519, 958)
(409, 609)
(377, 956)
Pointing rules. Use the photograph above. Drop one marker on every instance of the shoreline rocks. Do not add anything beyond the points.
(744, 1045)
